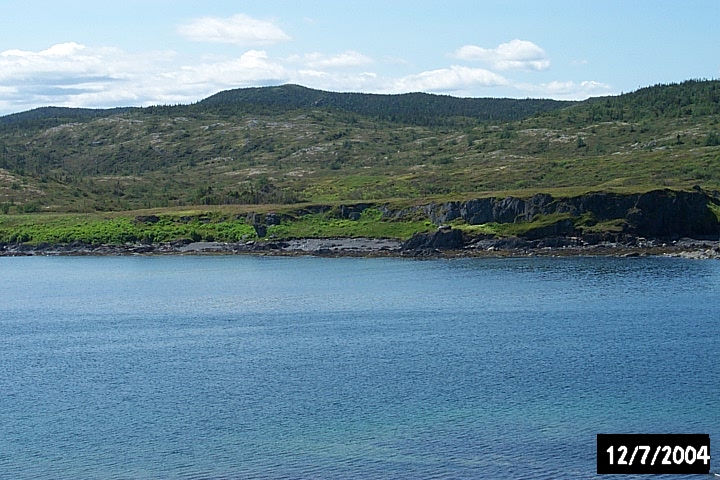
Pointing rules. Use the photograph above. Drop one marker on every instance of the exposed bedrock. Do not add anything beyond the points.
(658, 213)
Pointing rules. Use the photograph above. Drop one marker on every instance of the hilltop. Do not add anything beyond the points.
(410, 108)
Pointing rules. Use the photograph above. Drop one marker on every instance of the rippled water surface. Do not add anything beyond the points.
(251, 367)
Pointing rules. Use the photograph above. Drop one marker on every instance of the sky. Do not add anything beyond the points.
(81, 53)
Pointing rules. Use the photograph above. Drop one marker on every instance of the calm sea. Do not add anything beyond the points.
(254, 367)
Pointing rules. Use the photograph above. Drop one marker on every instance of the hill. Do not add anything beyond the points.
(289, 144)
(694, 98)
(45, 117)
(411, 108)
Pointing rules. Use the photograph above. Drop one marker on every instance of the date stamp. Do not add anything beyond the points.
(653, 454)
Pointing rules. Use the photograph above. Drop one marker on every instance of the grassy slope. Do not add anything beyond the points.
(175, 157)
(196, 225)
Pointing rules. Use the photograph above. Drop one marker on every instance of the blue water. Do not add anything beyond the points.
(255, 367)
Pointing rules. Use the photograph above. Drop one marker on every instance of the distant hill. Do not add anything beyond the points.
(60, 112)
(409, 108)
(692, 97)
(676, 100)
(278, 145)
(45, 117)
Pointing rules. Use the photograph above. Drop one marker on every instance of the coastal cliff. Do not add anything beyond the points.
(658, 213)
(657, 222)
(594, 217)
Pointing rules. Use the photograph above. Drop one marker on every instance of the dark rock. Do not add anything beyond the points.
(557, 242)
(444, 212)
(260, 230)
(143, 249)
(24, 247)
(147, 219)
(513, 243)
(352, 212)
(78, 244)
(560, 228)
(541, 204)
(441, 240)
(252, 218)
(315, 209)
(509, 210)
(479, 211)
(602, 206)
(658, 213)
(666, 213)
(181, 243)
(592, 238)
(272, 219)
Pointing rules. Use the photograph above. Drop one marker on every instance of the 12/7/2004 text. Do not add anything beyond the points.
(653, 453)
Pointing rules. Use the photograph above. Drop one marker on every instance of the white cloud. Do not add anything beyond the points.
(59, 50)
(517, 55)
(450, 79)
(567, 90)
(68, 59)
(250, 68)
(72, 62)
(336, 82)
(240, 29)
(318, 60)
(75, 75)
(71, 74)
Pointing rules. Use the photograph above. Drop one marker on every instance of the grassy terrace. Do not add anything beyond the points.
(234, 223)
(221, 224)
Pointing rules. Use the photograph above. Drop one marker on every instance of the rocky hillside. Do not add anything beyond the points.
(287, 145)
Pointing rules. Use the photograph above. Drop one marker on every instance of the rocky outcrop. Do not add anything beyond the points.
(442, 239)
(658, 213)
(147, 219)
(352, 212)
(272, 219)
(665, 213)
(560, 228)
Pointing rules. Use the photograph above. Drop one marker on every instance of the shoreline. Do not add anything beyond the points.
(378, 247)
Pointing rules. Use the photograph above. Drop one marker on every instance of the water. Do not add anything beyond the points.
(253, 367)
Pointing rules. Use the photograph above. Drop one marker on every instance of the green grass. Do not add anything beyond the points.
(715, 208)
(521, 228)
(195, 225)
(484, 229)
(616, 225)
(370, 224)
(94, 230)
(538, 222)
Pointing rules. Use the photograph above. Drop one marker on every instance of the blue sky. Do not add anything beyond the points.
(135, 53)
